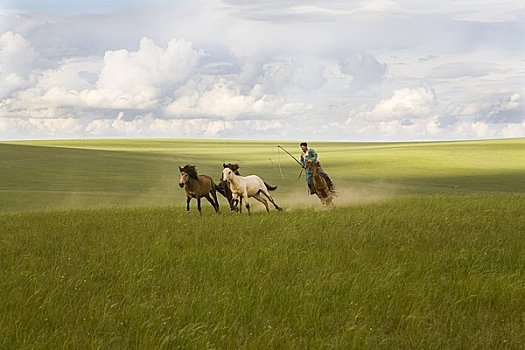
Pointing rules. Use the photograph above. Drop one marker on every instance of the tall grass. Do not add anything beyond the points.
(428, 272)
(425, 249)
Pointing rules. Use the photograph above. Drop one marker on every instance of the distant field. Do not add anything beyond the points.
(424, 249)
(49, 175)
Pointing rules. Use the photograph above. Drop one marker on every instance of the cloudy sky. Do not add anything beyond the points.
(383, 70)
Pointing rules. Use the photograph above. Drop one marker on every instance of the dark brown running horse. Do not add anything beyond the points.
(224, 189)
(197, 186)
(319, 184)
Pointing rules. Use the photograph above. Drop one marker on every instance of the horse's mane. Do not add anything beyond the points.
(191, 171)
(313, 163)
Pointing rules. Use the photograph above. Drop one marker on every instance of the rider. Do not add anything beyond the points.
(309, 154)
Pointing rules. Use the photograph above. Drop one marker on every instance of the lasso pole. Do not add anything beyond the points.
(298, 162)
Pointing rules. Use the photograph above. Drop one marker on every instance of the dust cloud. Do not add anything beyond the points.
(347, 196)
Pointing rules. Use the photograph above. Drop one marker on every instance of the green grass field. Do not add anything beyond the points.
(424, 249)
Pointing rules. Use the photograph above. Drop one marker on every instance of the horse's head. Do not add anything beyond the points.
(313, 165)
(183, 177)
(186, 173)
(227, 174)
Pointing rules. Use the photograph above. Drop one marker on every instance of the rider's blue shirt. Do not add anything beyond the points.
(311, 154)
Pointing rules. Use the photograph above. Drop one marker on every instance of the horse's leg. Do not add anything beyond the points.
(188, 199)
(322, 196)
(230, 200)
(262, 200)
(212, 203)
(321, 189)
(228, 195)
(327, 197)
(271, 199)
(234, 202)
(329, 201)
(319, 195)
(199, 204)
(226, 192)
(245, 196)
(237, 199)
(216, 205)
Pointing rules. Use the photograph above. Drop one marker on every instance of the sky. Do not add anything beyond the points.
(331, 70)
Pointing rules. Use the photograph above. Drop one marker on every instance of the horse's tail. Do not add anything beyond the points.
(219, 189)
(270, 187)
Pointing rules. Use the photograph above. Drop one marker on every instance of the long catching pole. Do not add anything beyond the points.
(298, 162)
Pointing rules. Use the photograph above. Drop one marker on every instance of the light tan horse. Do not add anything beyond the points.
(319, 184)
(225, 190)
(244, 187)
(197, 186)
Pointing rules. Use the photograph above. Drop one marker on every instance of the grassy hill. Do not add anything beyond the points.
(424, 250)
(48, 175)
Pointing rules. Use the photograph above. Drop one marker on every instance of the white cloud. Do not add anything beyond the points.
(17, 60)
(467, 10)
(387, 69)
(509, 110)
(485, 11)
(56, 125)
(150, 67)
(323, 11)
(99, 98)
(293, 74)
(16, 54)
(20, 23)
(148, 125)
(132, 80)
(116, 126)
(404, 103)
(20, 128)
(514, 130)
(215, 128)
(482, 130)
(224, 100)
(71, 74)
(365, 69)
(122, 80)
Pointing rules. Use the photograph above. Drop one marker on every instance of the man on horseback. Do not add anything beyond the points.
(309, 154)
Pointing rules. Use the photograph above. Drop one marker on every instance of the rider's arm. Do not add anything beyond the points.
(312, 154)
